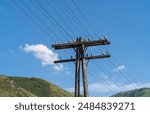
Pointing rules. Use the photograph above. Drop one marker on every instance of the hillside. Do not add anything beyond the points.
(143, 92)
(21, 87)
(10, 89)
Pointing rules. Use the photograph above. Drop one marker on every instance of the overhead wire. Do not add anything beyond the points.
(110, 76)
(104, 82)
(54, 20)
(76, 17)
(87, 22)
(67, 34)
(64, 21)
(69, 18)
(49, 16)
(42, 20)
(91, 28)
(115, 83)
(36, 22)
(78, 20)
(124, 75)
(129, 73)
(84, 18)
(33, 20)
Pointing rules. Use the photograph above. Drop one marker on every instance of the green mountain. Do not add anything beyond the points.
(143, 92)
(25, 87)
(10, 89)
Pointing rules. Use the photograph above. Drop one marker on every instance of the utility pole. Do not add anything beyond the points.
(80, 47)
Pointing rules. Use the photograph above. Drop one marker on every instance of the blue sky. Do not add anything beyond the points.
(25, 49)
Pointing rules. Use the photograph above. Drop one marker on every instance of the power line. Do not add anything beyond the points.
(129, 74)
(124, 76)
(106, 83)
(111, 79)
(69, 18)
(77, 25)
(39, 6)
(51, 6)
(84, 18)
(76, 17)
(82, 25)
(48, 14)
(33, 20)
(109, 76)
(30, 17)
(92, 29)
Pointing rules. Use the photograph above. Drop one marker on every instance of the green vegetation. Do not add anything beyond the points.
(35, 87)
(143, 92)
(21, 87)
(9, 89)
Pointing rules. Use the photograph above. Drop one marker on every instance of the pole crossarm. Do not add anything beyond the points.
(86, 58)
(85, 43)
(80, 46)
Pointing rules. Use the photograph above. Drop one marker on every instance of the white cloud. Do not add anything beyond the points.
(58, 67)
(119, 68)
(71, 89)
(107, 86)
(45, 55)
(102, 88)
(124, 87)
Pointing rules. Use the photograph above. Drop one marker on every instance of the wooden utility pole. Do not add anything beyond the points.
(80, 47)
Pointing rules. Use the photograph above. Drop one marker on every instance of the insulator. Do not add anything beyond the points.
(105, 37)
(69, 41)
(107, 53)
(101, 38)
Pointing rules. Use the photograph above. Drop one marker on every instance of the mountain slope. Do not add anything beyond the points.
(143, 92)
(40, 87)
(9, 89)
(32, 86)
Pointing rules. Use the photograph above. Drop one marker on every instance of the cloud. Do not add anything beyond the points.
(45, 55)
(107, 86)
(58, 67)
(119, 68)
(102, 88)
(71, 89)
